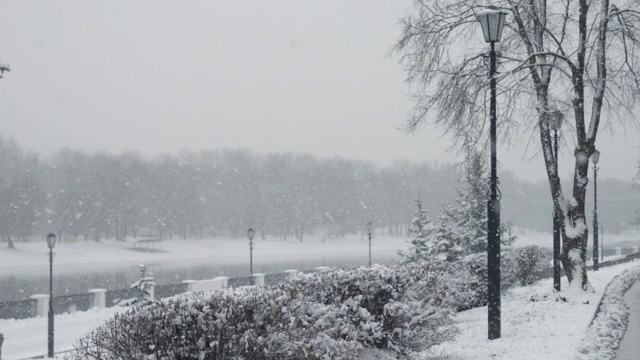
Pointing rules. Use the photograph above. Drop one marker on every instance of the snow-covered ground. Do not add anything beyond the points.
(547, 328)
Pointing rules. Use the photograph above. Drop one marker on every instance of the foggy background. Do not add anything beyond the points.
(146, 80)
(159, 76)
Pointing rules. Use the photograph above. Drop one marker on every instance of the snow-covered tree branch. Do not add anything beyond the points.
(593, 45)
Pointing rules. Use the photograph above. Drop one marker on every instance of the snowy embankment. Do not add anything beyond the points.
(28, 338)
(538, 324)
(611, 320)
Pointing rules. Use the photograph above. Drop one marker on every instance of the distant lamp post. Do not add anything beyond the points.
(143, 269)
(492, 22)
(370, 233)
(555, 123)
(595, 157)
(250, 234)
(51, 242)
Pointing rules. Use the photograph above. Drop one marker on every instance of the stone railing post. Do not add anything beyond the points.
(618, 251)
(291, 274)
(258, 279)
(224, 281)
(42, 304)
(190, 284)
(99, 297)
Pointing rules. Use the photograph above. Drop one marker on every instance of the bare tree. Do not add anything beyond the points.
(579, 56)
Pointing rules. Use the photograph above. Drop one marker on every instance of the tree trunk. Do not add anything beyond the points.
(574, 228)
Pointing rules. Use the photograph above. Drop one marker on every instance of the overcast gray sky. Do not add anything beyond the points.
(159, 76)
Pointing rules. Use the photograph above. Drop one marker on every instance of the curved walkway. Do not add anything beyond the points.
(630, 344)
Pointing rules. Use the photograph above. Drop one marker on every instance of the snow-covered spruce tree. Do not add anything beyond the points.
(470, 213)
(553, 55)
(445, 244)
(422, 228)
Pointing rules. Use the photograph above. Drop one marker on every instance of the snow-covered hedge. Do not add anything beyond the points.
(525, 265)
(612, 317)
(242, 323)
(410, 304)
(521, 266)
(336, 314)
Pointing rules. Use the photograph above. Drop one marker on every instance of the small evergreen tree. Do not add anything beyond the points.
(470, 214)
(471, 211)
(423, 229)
(445, 244)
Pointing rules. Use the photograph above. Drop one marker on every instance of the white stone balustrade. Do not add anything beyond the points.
(291, 274)
(99, 297)
(258, 279)
(42, 304)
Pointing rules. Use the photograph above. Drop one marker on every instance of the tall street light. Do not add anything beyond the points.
(595, 157)
(250, 234)
(555, 123)
(492, 22)
(369, 232)
(51, 242)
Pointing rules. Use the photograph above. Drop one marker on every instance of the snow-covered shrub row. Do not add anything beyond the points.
(525, 265)
(612, 317)
(410, 305)
(518, 266)
(331, 315)
(241, 323)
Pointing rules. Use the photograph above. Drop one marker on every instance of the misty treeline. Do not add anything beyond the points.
(207, 194)
(223, 192)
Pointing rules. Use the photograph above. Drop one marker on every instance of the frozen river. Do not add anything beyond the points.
(630, 344)
(81, 266)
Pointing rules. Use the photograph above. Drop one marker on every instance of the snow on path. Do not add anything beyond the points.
(630, 345)
(544, 329)
(27, 338)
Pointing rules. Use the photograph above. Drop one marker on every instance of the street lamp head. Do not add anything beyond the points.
(369, 228)
(595, 156)
(251, 233)
(51, 240)
(142, 267)
(492, 21)
(555, 120)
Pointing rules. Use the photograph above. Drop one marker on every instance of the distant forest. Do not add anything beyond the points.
(223, 192)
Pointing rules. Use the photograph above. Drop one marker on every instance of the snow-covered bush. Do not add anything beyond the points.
(337, 314)
(517, 266)
(243, 323)
(411, 303)
(529, 263)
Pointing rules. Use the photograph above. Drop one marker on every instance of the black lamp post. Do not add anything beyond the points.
(369, 232)
(51, 242)
(595, 157)
(555, 123)
(492, 22)
(250, 234)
